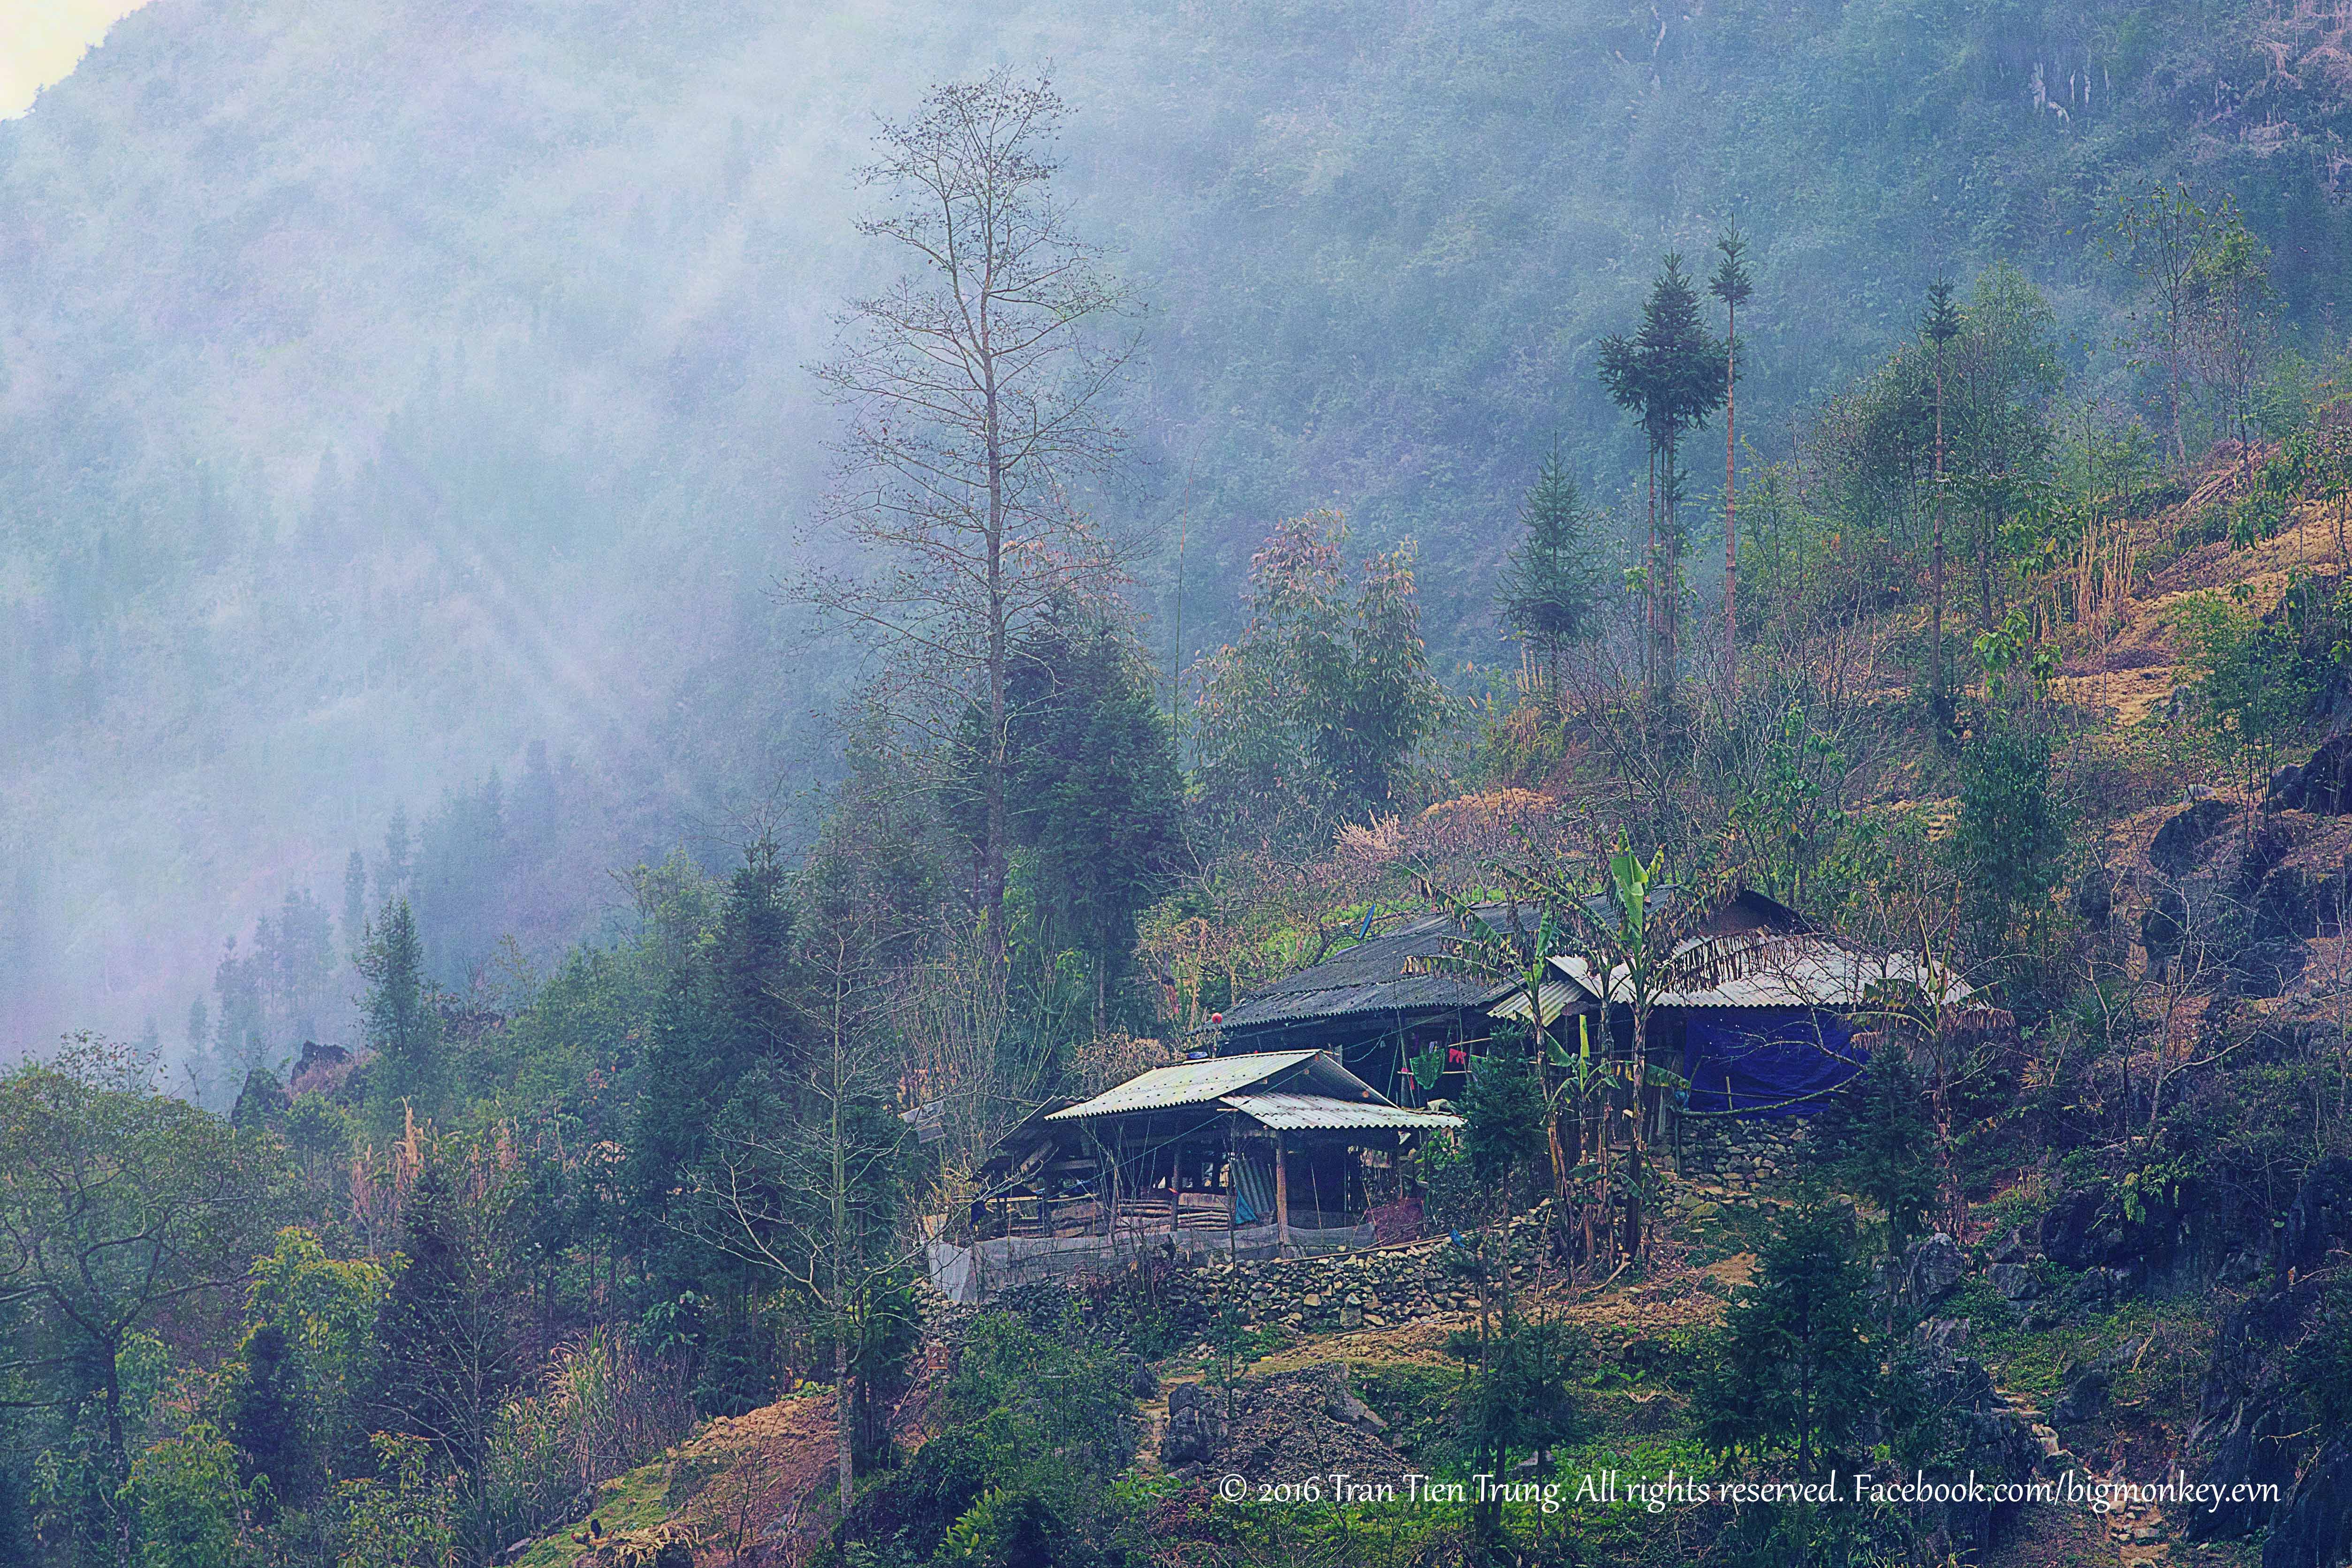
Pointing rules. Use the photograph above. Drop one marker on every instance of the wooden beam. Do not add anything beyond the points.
(1282, 1190)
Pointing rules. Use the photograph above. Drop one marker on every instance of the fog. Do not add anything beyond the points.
(398, 395)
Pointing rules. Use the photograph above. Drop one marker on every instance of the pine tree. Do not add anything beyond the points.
(1671, 373)
(354, 904)
(1731, 285)
(1941, 324)
(391, 872)
(401, 1025)
(1548, 582)
(1795, 1367)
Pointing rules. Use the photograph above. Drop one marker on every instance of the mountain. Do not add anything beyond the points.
(384, 388)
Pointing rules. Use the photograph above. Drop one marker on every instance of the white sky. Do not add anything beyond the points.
(41, 41)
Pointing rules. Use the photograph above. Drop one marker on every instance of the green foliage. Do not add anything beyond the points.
(190, 1503)
(299, 1388)
(120, 1207)
(1520, 1396)
(1792, 1372)
(1879, 1134)
(2010, 840)
(1311, 714)
(1550, 591)
(1504, 1107)
(1092, 786)
(1037, 1423)
(402, 1516)
(2264, 674)
(401, 1025)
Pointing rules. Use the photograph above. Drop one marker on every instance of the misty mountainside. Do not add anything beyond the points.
(386, 388)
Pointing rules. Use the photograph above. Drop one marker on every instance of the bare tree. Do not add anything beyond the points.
(975, 386)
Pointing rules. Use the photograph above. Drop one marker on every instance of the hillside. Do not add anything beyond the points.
(385, 387)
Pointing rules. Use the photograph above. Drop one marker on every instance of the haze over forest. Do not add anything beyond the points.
(401, 402)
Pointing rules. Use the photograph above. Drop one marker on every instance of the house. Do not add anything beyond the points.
(1251, 1156)
(1377, 1005)
(1780, 1023)
(1772, 1034)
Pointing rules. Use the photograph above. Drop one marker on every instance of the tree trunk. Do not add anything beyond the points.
(1935, 569)
(1730, 514)
(994, 854)
(117, 1459)
(844, 1442)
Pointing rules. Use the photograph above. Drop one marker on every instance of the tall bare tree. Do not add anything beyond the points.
(975, 388)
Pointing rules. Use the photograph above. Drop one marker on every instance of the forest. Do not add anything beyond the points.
(567, 1184)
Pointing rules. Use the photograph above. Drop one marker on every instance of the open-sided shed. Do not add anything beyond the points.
(1250, 1155)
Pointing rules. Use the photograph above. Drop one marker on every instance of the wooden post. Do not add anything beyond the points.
(1110, 1191)
(1232, 1192)
(1282, 1190)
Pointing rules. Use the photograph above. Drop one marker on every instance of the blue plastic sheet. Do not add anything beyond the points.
(1767, 1062)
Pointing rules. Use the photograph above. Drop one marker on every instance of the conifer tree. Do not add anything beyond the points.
(1731, 285)
(401, 1025)
(1941, 324)
(1548, 582)
(1671, 374)
(1795, 1363)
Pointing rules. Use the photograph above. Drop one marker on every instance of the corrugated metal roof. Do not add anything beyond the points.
(1780, 971)
(1187, 1083)
(1557, 996)
(1373, 977)
(1291, 1113)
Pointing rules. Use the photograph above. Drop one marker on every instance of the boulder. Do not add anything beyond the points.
(2015, 1281)
(2085, 1396)
(1932, 1269)
(1196, 1425)
(2315, 1522)
(1992, 1438)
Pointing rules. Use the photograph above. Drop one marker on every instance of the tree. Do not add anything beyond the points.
(354, 904)
(2163, 234)
(2005, 367)
(1879, 1133)
(1096, 790)
(118, 1206)
(2011, 834)
(806, 1181)
(1549, 586)
(451, 1341)
(975, 399)
(1672, 375)
(1731, 285)
(1940, 325)
(1311, 714)
(2229, 332)
(401, 1024)
(1792, 1369)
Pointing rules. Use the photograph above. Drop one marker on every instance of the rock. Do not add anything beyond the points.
(1932, 1269)
(2084, 1398)
(2315, 1522)
(2174, 849)
(1196, 1425)
(2014, 1281)
(2321, 786)
(1995, 1441)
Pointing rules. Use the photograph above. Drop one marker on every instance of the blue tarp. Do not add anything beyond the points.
(1776, 1063)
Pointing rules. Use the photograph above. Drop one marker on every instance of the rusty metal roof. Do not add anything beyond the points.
(1293, 1113)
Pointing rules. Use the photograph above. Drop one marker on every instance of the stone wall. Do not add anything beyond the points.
(1739, 1154)
(1376, 1287)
